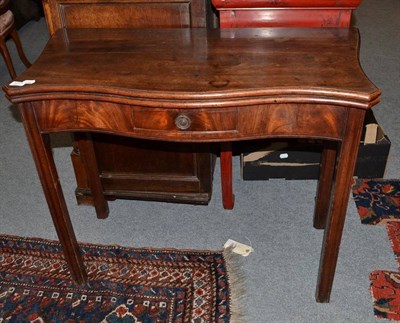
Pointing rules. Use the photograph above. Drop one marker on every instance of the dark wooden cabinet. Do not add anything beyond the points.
(129, 168)
(150, 170)
(128, 14)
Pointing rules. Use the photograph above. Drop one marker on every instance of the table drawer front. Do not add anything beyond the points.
(185, 120)
(205, 124)
(74, 115)
(292, 120)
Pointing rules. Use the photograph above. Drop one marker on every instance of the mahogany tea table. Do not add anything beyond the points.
(199, 86)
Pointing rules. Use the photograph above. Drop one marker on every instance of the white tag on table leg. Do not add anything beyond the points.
(18, 83)
(239, 248)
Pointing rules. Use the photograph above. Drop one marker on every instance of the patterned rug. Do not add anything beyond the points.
(125, 284)
(378, 202)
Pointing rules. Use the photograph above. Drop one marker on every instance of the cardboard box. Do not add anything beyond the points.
(300, 159)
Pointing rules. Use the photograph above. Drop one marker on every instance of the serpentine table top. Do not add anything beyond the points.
(201, 85)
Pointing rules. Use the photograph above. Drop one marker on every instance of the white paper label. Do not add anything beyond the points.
(239, 248)
(18, 83)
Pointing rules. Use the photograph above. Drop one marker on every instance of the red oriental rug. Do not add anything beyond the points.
(125, 284)
(378, 202)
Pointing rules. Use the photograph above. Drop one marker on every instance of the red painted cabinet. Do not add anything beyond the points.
(285, 13)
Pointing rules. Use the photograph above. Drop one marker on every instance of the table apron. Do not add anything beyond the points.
(193, 124)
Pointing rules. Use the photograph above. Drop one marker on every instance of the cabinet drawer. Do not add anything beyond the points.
(185, 120)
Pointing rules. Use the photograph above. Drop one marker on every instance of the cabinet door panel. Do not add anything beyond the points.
(121, 15)
(128, 14)
(148, 170)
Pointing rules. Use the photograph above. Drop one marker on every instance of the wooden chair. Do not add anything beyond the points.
(7, 27)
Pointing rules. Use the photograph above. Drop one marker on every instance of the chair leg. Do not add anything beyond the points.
(21, 53)
(7, 58)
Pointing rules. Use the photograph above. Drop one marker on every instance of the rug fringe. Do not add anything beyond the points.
(237, 285)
